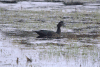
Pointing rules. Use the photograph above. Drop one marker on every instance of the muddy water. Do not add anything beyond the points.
(19, 46)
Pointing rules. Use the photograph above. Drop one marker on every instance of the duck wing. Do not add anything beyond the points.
(44, 32)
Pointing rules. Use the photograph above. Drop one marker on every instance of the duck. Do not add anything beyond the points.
(49, 33)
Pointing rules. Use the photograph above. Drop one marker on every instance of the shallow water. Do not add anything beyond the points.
(47, 53)
(19, 45)
(50, 6)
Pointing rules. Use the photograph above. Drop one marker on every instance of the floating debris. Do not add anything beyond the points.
(17, 61)
(28, 59)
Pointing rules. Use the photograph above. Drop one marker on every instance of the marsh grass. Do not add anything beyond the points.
(36, 20)
(53, 16)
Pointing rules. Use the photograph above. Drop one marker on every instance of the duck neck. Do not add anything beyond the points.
(58, 30)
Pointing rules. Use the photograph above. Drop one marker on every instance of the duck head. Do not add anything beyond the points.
(60, 24)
